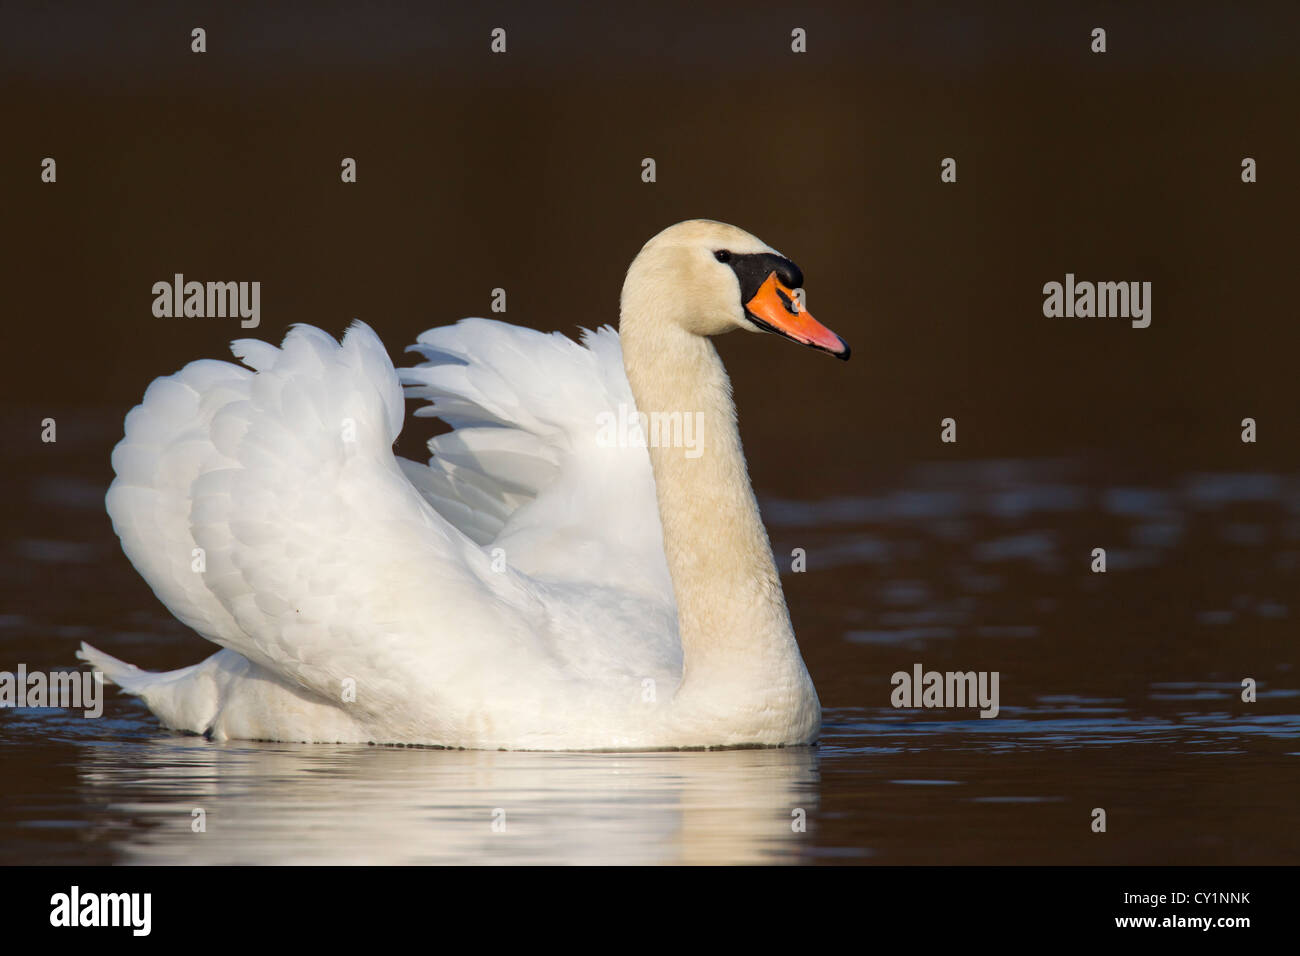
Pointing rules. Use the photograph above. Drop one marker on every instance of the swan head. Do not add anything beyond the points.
(709, 278)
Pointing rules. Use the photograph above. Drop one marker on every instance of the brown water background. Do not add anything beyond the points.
(522, 171)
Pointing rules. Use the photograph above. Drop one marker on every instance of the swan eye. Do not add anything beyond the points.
(722, 255)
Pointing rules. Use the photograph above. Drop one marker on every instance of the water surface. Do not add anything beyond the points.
(1119, 691)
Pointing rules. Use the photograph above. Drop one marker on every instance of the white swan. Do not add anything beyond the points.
(536, 586)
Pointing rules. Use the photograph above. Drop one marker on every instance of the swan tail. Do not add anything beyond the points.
(126, 676)
(184, 699)
(227, 696)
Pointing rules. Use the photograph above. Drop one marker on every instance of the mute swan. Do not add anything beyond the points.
(534, 587)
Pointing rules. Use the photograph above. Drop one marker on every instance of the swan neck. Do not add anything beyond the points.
(732, 616)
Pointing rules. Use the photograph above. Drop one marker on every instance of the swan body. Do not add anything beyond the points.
(534, 586)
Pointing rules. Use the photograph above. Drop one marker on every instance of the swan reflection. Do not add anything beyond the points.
(290, 803)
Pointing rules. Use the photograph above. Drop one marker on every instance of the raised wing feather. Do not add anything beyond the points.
(269, 513)
(530, 467)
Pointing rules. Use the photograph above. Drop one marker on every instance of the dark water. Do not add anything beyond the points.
(1118, 690)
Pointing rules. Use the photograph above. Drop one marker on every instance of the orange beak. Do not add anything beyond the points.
(776, 308)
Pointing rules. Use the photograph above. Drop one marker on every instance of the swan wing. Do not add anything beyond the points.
(540, 462)
(266, 509)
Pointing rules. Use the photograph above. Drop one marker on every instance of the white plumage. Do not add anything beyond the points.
(513, 593)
